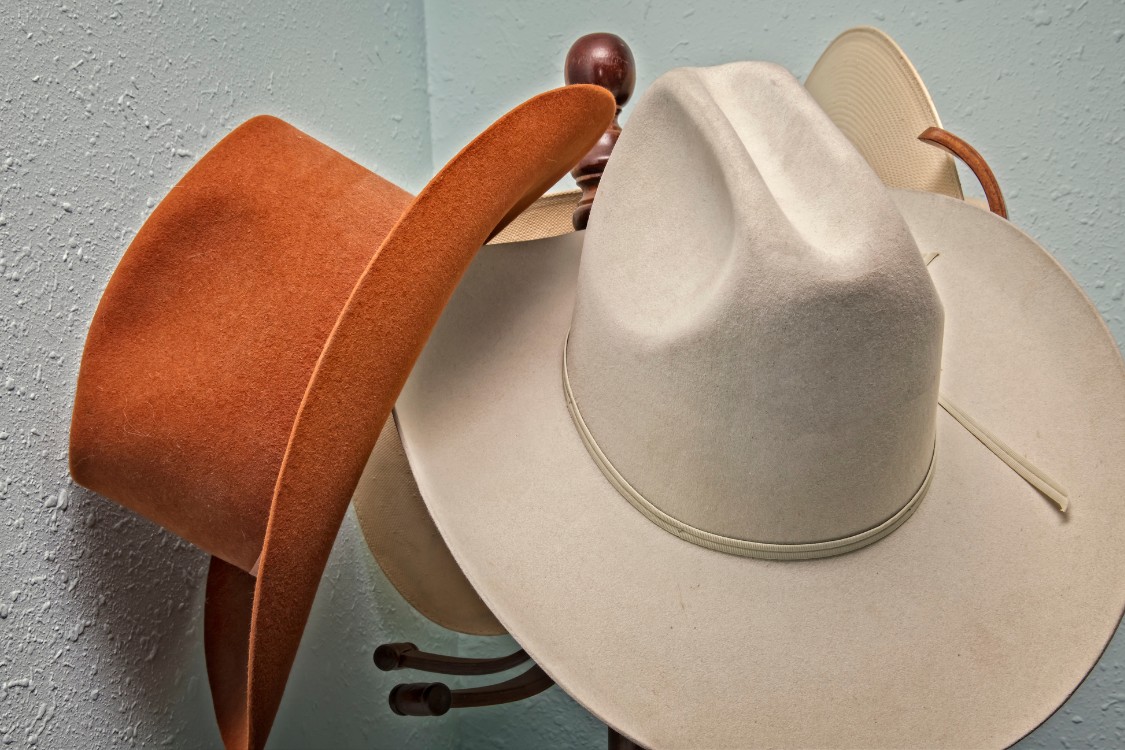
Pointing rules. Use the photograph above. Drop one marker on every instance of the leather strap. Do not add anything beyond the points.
(961, 149)
(1031, 474)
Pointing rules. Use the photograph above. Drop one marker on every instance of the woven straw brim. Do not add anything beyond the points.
(870, 89)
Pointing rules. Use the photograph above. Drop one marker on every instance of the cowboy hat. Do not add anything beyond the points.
(251, 342)
(703, 476)
(397, 527)
(871, 90)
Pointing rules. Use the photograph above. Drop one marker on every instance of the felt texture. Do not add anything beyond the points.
(207, 334)
(867, 85)
(226, 646)
(392, 515)
(878, 114)
(914, 641)
(796, 331)
(403, 539)
(253, 339)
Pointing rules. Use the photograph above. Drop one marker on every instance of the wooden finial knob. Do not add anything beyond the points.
(604, 60)
(420, 699)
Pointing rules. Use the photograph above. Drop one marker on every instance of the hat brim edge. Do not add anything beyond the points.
(361, 370)
(490, 566)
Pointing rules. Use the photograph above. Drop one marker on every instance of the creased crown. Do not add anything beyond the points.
(756, 342)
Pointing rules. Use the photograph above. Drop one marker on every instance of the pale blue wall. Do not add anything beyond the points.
(99, 611)
(1039, 88)
(103, 106)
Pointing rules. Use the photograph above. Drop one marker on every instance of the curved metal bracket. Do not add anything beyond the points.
(436, 698)
(393, 656)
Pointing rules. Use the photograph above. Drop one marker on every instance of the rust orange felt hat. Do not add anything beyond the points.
(252, 341)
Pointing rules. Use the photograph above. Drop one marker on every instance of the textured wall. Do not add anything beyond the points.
(1039, 88)
(103, 106)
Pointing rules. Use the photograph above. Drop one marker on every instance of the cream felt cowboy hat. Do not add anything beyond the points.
(872, 92)
(739, 469)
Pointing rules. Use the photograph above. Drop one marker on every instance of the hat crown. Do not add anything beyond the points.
(202, 347)
(756, 342)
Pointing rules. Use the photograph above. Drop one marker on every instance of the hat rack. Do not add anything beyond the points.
(437, 698)
(604, 60)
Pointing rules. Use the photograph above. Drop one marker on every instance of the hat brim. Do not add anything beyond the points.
(391, 513)
(875, 96)
(362, 367)
(406, 544)
(966, 627)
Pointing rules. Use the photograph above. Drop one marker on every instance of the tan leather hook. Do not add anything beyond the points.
(961, 149)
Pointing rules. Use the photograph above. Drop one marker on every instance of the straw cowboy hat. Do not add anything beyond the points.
(251, 343)
(738, 468)
(874, 95)
(872, 92)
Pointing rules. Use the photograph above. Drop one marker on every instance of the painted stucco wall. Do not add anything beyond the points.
(1039, 88)
(104, 105)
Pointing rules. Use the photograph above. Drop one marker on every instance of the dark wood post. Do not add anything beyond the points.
(604, 60)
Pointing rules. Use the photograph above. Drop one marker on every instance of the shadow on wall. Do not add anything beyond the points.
(133, 633)
(103, 107)
(335, 696)
(137, 636)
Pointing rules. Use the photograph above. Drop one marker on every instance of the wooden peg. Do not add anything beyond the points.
(961, 149)
(605, 60)
(392, 656)
(421, 699)
(435, 698)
